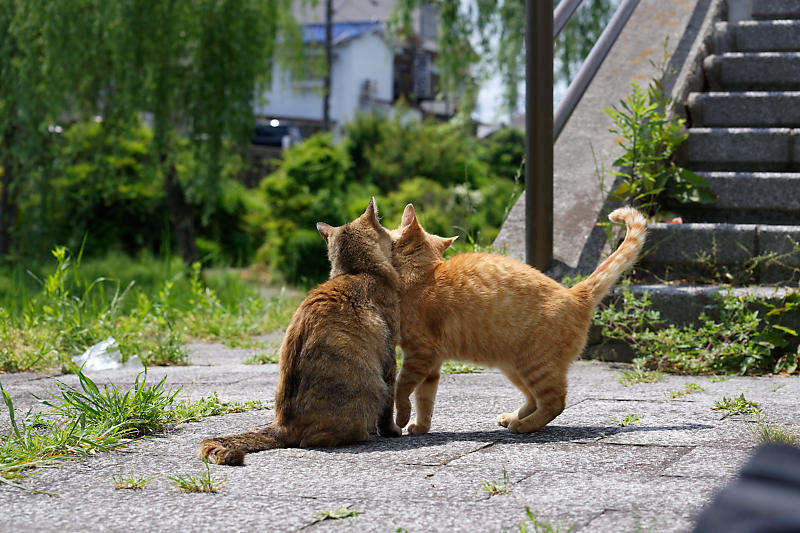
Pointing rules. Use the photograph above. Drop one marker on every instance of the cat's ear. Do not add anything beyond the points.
(372, 212)
(409, 215)
(443, 244)
(325, 230)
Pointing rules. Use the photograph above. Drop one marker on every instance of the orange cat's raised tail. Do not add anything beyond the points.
(604, 277)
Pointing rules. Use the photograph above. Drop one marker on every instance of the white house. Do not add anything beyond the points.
(369, 71)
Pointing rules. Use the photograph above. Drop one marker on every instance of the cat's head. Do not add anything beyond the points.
(360, 246)
(413, 248)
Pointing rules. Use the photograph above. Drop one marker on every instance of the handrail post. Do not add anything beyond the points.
(539, 133)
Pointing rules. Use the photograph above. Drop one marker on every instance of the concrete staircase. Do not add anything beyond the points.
(744, 138)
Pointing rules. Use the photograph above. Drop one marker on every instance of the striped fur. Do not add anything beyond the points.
(337, 359)
(494, 311)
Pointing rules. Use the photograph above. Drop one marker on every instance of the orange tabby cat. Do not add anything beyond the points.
(494, 311)
(337, 360)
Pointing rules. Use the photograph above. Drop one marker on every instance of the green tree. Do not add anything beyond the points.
(485, 37)
(190, 67)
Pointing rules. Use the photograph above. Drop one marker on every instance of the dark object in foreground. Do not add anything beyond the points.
(765, 498)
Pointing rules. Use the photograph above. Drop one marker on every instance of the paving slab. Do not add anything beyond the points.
(582, 470)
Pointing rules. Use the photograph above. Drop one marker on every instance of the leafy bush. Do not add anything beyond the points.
(504, 152)
(735, 336)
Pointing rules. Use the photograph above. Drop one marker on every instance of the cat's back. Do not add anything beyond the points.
(494, 274)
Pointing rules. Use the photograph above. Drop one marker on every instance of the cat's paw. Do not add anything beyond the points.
(506, 418)
(403, 413)
(520, 426)
(418, 429)
(392, 430)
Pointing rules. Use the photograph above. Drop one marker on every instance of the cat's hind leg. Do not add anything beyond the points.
(530, 402)
(416, 368)
(549, 387)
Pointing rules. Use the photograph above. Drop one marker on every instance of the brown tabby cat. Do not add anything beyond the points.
(494, 311)
(337, 360)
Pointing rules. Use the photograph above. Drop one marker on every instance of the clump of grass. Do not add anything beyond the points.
(738, 405)
(688, 388)
(540, 526)
(264, 358)
(338, 514)
(131, 482)
(455, 367)
(85, 420)
(767, 432)
(186, 411)
(718, 379)
(627, 420)
(204, 482)
(497, 488)
(638, 374)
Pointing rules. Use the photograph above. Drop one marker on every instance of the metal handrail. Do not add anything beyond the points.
(542, 126)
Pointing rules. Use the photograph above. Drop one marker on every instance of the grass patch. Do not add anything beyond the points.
(627, 420)
(72, 310)
(639, 374)
(531, 523)
(738, 405)
(204, 482)
(131, 481)
(768, 433)
(338, 514)
(688, 388)
(497, 488)
(736, 335)
(718, 379)
(86, 420)
(269, 357)
(455, 367)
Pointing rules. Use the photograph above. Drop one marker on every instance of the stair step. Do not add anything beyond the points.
(741, 149)
(687, 249)
(753, 71)
(757, 36)
(748, 198)
(776, 9)
(753, 109)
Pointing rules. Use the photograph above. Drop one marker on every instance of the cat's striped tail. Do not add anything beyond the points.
(604, 277)
(231, 450)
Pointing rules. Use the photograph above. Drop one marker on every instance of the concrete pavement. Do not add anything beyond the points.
(583, 470)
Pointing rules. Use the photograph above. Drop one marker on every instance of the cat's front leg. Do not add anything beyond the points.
(424, 398)
(416, 367)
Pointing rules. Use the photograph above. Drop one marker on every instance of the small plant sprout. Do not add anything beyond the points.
(738, 405)
(769, 433)
(494, 489)
(638, 374)
(539, 526)
(627, 421)
(455, 367)
(688, 388)
(718, 379)
(338, 514)
(131, 482)
(205, 482)
(263, 358)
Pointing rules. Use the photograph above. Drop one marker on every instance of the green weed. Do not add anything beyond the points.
(718, 379)
(737, 405)
(86, 420)
(768, 433)
(540, 526)
(205, 482)
(132, 481)
(338, 514)
(638, 374)
(688, 388)
(455, 367)
(497, 488)
(745, 335)
(627, 420)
